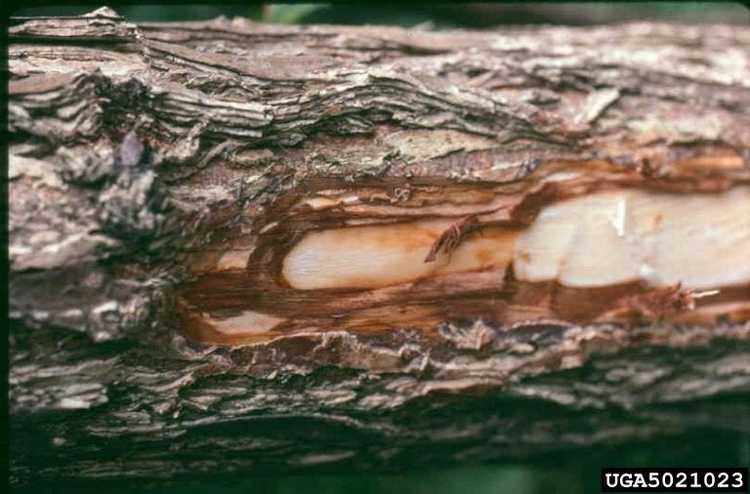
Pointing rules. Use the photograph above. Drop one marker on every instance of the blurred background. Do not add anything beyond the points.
(566, 473)
(433, 16)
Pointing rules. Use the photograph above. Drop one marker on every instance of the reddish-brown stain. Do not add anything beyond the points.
(485, 256)
(658, 219)
(409, 237)
(438, 297)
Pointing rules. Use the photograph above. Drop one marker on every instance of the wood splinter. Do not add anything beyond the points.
(661, 303)
(449, 240)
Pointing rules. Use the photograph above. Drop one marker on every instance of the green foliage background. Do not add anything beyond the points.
(439, 15)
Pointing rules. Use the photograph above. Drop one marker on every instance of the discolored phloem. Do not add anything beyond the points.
(575, 242)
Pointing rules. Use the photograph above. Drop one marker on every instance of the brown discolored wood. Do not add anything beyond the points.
(157, 174)
(491, 293)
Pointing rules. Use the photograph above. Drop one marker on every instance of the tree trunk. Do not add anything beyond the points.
(233, 244)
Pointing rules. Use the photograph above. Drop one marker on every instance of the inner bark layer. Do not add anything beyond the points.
(585, 244)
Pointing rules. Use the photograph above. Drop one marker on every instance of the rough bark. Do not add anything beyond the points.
(147, 162)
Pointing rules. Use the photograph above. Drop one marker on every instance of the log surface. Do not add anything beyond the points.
(140, 155)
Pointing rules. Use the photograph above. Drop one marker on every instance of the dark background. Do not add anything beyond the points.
(424, 14)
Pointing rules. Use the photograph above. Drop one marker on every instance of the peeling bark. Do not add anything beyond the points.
(161, 173)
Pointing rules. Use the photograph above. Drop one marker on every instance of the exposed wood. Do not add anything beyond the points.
(340, 252)
(162, 176)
